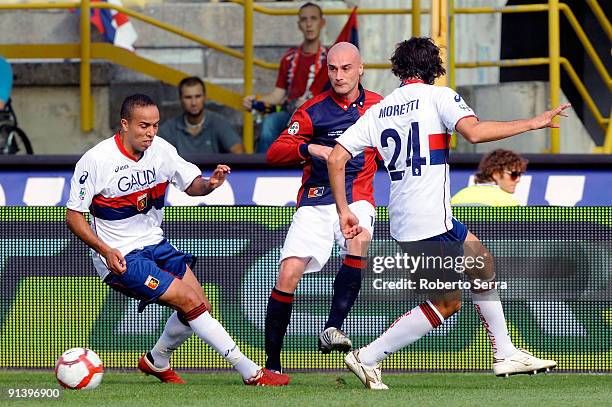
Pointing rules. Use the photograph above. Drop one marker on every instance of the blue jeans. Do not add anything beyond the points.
(272, 126)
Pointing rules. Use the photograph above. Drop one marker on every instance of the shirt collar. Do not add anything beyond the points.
(122, 148)
(411, 81)
(344, 103)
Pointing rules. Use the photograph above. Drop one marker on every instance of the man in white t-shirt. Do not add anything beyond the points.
(122, 183)
(411, 129)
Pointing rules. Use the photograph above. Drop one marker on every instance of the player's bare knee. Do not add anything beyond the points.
(358, 245)
(290, 274)
(484, 267)
(189, 300)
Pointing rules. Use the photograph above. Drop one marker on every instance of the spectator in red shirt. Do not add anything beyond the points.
(298, 68)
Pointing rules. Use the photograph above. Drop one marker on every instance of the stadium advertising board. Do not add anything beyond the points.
(556, 265)
(279, 188)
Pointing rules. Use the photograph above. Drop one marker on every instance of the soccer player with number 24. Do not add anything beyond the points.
(411, 129)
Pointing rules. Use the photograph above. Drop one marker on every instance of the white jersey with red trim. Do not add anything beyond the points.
(411, 129)
(126, 196)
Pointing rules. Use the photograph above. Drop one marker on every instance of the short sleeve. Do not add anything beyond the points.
(183, 172)
(83, 185)
(358, 137)
(452, 108)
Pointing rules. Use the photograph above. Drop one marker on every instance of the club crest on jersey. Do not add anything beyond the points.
(141, 202)
(316, 192)
(294, 128)
(151, 282)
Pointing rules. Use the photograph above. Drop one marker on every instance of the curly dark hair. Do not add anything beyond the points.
(418, 57)
(498, 161)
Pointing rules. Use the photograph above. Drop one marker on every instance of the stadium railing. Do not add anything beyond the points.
(554, 60)
(86, 50)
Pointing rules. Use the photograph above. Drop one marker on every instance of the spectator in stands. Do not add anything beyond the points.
(298, 68)
(199, 131)
(498, 174)
(6, 81)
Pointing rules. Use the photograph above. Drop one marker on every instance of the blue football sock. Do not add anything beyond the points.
(278, 315)
(346, 289)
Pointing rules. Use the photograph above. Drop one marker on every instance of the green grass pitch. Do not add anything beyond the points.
(324, 389)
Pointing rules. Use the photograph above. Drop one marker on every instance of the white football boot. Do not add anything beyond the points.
(370, 376)
(334, 339)
(522, 362)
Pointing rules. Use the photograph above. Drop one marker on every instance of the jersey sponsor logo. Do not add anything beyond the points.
(316, 192)
(151, 282)
(398, 110)
(141, 202)
(294, 128)
(335, 133)
(121, 167)
(83, 177)
(138, 179)
(457, 98)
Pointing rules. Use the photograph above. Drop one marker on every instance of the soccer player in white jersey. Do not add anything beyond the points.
(122, 182)
(411, 129)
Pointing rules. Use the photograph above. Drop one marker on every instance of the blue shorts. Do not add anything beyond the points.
(444, 246)
(457, 234)
(150, 271)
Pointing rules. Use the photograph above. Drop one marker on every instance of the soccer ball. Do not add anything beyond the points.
(79, 368)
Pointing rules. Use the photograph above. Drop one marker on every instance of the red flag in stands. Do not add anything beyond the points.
(348, 34)
(115, 26)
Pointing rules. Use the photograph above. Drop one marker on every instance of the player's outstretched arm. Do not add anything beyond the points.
(336, 163)
(201, 186)
(78, 225)
(480, 132)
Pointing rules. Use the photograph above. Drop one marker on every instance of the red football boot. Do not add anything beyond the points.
(165, 375)
(265, 377)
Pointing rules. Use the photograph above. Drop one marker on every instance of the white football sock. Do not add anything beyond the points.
(407, 329)
(175, 333)
(210, 331)
(491, 313)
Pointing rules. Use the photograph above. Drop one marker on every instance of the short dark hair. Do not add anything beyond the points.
(418, 57)
(134, 101)
(191, 81)
(311, 4)
(499, 161)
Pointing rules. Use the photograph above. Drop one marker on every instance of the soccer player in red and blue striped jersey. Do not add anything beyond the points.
(309, 139)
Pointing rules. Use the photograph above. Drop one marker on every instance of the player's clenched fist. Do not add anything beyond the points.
(218, 175)
(115, 261)
(349, 225)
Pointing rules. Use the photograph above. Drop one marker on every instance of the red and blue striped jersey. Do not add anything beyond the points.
(320, 121)
(125, 196)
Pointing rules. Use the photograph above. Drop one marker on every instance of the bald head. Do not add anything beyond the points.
(344, 50)
(345, 68)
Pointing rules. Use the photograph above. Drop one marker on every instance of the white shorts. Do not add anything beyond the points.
(314, 229)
